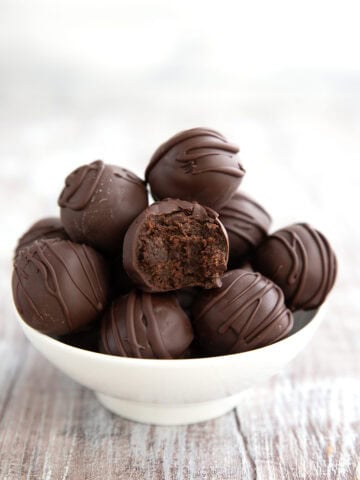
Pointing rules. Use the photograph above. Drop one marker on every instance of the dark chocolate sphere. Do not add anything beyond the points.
(145, 325)
(246, 223)
(247, 312)
(45, 228)
(196, 165)
(59, 286)
(301, 261)
(176, 244)
(99, 202)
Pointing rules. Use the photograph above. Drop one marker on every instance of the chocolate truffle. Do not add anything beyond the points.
(301, 261)
(175, 244)
(197, 164)
(145, 325)
(59, 286)
(45, 228)
(247, 312)
(246, 223)
(99, 202)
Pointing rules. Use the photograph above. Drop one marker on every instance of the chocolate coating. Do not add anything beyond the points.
(59, 286)
(45, 228)
(145, 325)
(196, 165)
(99, 202)
(247, 312)
(246, 223)
(175, 244)
(301, 261)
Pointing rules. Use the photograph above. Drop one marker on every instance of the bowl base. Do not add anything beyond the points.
(165, 414)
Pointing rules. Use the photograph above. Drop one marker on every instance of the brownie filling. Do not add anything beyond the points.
(177, 250)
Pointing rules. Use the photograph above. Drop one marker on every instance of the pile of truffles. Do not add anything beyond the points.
(194, 274)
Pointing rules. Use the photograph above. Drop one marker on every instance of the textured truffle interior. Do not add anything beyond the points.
(178, 250)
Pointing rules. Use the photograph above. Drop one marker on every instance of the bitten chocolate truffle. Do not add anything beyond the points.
(145, 325)
(247, 312)
(45, 228)
(196, 165)
(99, 202)
(175, 244)
(59, 286)
(246, 223)
(301, 261)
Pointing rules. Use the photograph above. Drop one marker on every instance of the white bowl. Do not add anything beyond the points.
(173, 392)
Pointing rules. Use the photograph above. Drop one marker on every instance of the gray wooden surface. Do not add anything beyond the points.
(63, 102)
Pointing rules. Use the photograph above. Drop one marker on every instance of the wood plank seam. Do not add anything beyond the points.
(246, 444)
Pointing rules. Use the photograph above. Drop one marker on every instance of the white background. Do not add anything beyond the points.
(82, 80)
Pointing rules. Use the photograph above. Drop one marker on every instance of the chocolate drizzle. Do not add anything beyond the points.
(179, 138)
(300, 260)
(75, 181)
(115, 333)
(197, 164)
(142, 325)
(39, 259)
(98, 204)
(245, 218)
(203, 158)
(96, 297)
(242, 224)
(246, 331)
(20, 294)
(155, 339)
(247, 224)
(329, 264)
(57, 285)
(125, 174)
(45, 228)
(246, 313)
(131, 317)
(300, 268)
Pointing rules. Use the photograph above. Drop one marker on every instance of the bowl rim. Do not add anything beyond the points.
(164, 363)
